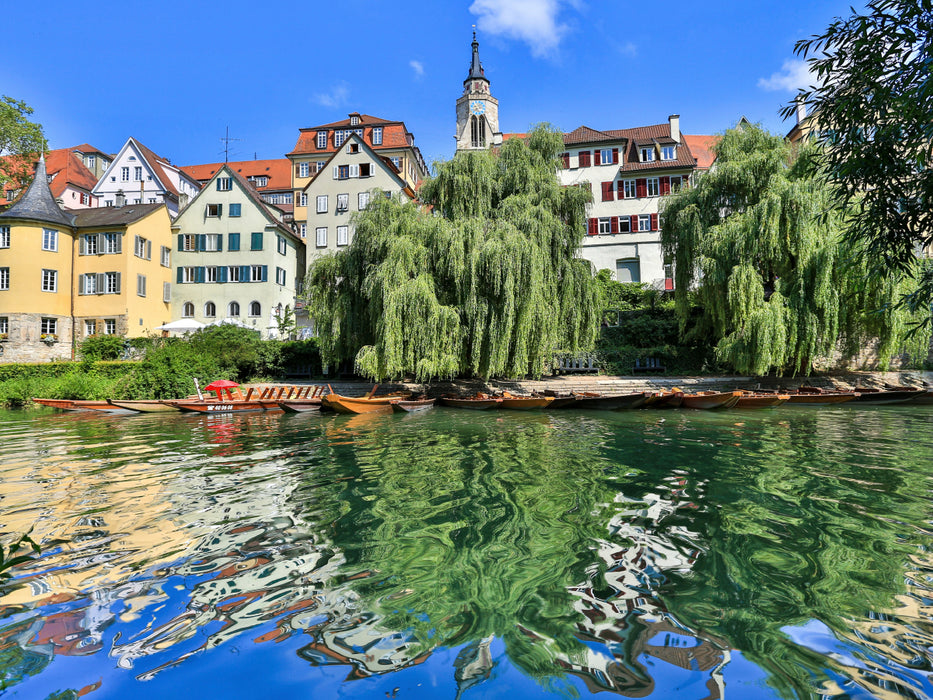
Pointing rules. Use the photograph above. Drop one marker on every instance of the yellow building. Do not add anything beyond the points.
(66, 275)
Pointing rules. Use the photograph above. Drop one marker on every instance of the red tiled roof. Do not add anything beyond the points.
(635, 137)
(584, 134)
(277, 170)
(88, 148)
(67, 169)
(701, 145)
(394, 135)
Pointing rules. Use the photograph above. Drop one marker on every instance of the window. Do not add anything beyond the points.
(343, 202)
(628, 270)
(280, 276)
(320, 236)
(48, 326)
(214, 210)
(377, 136)
(604, 225)
(224, 184)
(110, 326)
(654, 189)
(167, 292)
(88, 284)
(165, 256)
(90, 327)
(260, 181)
(152, 200)
(303, 230)
(89, 244)
(50, 280)
(322, 204)
(233, 273)
(143, 248)
(210, 273)
(213, 242)
(257, 273)
(647, 154)
(367, 170)
(339, 138)
(125, 174)
(668, 153)
(477, 132)
(189, 275)
(625, 224)
(255, 240)
(187, 311)
(233, 241)
(255, 308)
(362, 200)
(140, 285)
(111, 283)
(281, 244)
(397, 162)
(85, 198)
(233, 309)
(342, 235)
(302, 198)
(605, 156)
(49, 239)
(137, 173)
(644, 222)
(113, 243)
(210, 310)
(343, 172)
(628, 187)
(584, 159)
(235, 209)
(320, 165)
(321, 141)
(4, 236)
(4, 279)
(189, 242)
(353, 147)
(677, 182)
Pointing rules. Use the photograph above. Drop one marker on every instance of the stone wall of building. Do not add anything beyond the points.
(24, 344)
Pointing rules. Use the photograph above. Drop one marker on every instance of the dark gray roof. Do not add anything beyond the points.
(476, 68)
(38, 204)
(113, 216)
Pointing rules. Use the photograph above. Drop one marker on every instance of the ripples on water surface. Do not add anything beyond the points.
(444, 554)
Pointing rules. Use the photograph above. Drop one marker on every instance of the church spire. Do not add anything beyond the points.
(38, 204)
(476, 68)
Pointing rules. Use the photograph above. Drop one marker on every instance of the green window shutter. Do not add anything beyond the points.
(265, 273)
(220, 209)
(202, 242)
(181, 272)
(244, 273)
(181, 241)
(234, 242)
(256, 241)
(200, 274)
(222, 274)
(220, 243)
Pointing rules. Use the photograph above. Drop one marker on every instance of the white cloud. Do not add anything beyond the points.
(793, 76)
(532, 21)
(337, 97)
(418, 67)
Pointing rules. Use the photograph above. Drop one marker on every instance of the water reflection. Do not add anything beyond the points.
(634, 553)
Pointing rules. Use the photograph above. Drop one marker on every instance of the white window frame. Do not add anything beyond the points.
(321, 201)
(49, 280)
(302, 199)
(233, 273)
(668, 152)
(304, 169)
(187, 310)
(320, 236)
(321, 140)
(48, 326)
(629, 190)
(303, 230)
(647, 154)
(677, 183)
(343, 235)
(212, 242)
(89, 283)
(210, 309)
(50, 240)
(138, 173)
(210, 273)
(224, 184)
(110, 326)
(654, 187)
(165, 256)
(377, 136)
(4, 279)
(4, 236)
(189, 275)
(125, 174)
(281, 245)
(343, 202)
(605, 224)
(233, 309)
(280, 276)
(111, 243)
(644, 223)
(111, 283)
(255, 273)
(213, 210)
(255, 306)
(605, 156)
(167, 292)
(90, 327)
(4, 325)
(362, 201)
(140, 285)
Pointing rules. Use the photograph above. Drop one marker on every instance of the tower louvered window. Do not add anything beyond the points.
(477, 132)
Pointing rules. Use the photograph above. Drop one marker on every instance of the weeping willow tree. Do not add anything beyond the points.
(761, 240)
(486, 284)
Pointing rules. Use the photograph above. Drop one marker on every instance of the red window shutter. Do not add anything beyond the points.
(592, 227)
(614, 224)
(634, 222)
(641, 187)
(597, 157)
(607, 191)
(615, 156)
(654, 222)
(566, 158)
(584, 159)
(665, 185)
(296, 171)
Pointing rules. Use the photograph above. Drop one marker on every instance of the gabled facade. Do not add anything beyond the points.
(342, 187)
(477, 109)
(317, 144)
(629, 171)
(139, 176)
(272, 179)
(66, 275)
(235, 257)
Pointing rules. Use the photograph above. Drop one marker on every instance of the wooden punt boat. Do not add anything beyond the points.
(300, 405)
(610, 402)
(145, 405)
(925, 398)
(480, 402)
(351, 404)
(412, 405)
(76, 404)
(217, 406)
(708, 400)
(750, 399)
(866, 396)
(524, 403)
(664, 399)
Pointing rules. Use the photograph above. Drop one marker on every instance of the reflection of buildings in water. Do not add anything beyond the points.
(473, 665)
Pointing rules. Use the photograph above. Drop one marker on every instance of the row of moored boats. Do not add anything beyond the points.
(228, 398)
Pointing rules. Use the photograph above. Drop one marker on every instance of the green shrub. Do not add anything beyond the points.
(102, 347)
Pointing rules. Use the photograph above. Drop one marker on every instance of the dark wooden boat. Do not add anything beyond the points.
(750, 399)
(300, 405)
(524, 403)
(480, 402)
(867, 396)
(76, 404)
(925, 398)
(709, 400)
(610, 402)
(664, 399)
(411, 405)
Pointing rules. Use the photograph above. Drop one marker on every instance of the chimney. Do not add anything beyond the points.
(120, 199)
(674, 120)
(801, 109)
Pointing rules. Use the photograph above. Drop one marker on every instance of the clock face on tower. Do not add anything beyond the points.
(477, 107)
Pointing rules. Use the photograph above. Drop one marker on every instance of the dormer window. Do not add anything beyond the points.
(354, 120)
(668, 152)
(647, 154)
(377, 136)
(322, 139)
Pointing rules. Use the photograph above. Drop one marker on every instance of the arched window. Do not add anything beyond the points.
(210, 310)
(478, 132)
(233, 310)
(255, 308)
(187, 311)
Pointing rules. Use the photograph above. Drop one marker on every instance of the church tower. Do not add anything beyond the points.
(477, 110)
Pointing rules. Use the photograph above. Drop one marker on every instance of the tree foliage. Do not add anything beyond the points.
(779, 284)
(873, 109)
(486, 284)
(21, 141)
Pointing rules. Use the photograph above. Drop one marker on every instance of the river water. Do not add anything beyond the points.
(756, 554)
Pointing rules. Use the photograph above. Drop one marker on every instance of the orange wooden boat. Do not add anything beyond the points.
(708, 400)
(664, 399)
(479, 402)
(362, 404)
(524, 403)
(76, 404)
(412, 405)
(750, 399)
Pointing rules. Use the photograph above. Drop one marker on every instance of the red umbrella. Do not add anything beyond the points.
(220, 384)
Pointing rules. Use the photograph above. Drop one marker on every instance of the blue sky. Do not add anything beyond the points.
(175, 76)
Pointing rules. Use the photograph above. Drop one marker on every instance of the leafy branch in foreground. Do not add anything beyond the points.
(10, 557)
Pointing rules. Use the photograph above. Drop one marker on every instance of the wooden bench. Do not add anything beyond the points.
(648, 364)
(298, 372)
(573, 365)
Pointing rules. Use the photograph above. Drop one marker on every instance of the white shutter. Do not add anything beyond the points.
(354, 170)
(335, 172)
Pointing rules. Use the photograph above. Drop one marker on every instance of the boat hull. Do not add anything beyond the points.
(712, 400)
(146, 406)
(471, 404)
(762, 400)
(217, 406)
(525, 403)
(350, 405)
(412, 406)
(882, 398)
(300, 405)
(612, 402)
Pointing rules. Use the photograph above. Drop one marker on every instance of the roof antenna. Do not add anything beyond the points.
(226, 140)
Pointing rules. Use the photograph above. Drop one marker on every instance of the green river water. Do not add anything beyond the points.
(690, 554)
